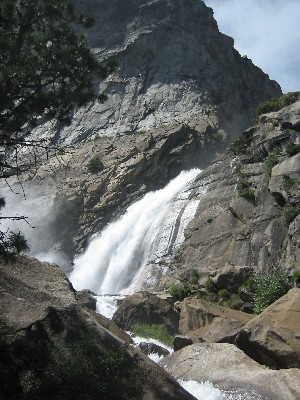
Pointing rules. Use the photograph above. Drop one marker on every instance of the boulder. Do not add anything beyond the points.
(146, 308)
(50, 344)
(86, 298)
(232, 277)
(149, 348)
(181, 341)
(273, 337)
(231, 370)
(29, 287)
(204, 321)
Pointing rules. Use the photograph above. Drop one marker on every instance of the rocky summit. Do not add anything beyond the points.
(172, 66)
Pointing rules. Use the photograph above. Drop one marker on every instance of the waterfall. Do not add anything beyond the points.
(127, 255)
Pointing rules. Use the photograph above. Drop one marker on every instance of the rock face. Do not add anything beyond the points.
(74, 202)
(259, 231)
(173, 66)
(273, 337)
(232, 371)
(203, 321)
(146, 308)
(52, 347)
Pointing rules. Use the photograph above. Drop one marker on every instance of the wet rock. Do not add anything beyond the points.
(273, 337)
(181, 341)
(149, 348)
(86, 298)
(146, 308)
(229, 368)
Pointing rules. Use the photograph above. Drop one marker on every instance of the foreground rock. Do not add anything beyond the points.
(52, 347)
(146, 308)
(229, 368)
(273, 337)
(204, 321)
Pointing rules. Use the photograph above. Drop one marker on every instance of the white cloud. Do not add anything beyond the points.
(267, 31)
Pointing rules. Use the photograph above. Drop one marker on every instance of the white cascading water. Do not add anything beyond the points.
(124, 257)
(127, 257)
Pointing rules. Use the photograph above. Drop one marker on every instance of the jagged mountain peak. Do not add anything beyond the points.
(173, 66)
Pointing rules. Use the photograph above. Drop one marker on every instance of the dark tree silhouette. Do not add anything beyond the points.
(46, 70)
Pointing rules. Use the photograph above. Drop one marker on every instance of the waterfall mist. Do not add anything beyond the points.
(116, 261)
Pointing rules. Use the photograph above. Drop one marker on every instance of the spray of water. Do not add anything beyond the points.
(113, 260)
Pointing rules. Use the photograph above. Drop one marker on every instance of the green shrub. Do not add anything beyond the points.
(238, 168)
(217, 136)
(244, 189)
(158, 332)
(11, 244)
(99, 209)
(224, 293)
(234, 302)
(276, 104)
(209, 285)
(194, 277)
(290, 212)
(270, 287)
(179, 291)
(296, 277)
(238, 146)
(292, 149)
(288, 182)
(95, 164)
(250, 284)
(272, 159)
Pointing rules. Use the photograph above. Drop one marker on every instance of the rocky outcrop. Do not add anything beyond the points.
(146, 308)
(273, 337)
(52, 347)
(203, 321)
(259, 230)
(232, 371)
(67, 202)
(173, 65)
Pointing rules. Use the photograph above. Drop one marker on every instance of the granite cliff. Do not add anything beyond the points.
(173, 66)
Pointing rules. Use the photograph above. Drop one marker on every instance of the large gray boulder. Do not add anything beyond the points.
(204, 321)
(230, 369)
(273, 337)
(146, 308)
(52, 347)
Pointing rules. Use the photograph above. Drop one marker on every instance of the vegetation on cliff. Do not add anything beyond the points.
(276, 104)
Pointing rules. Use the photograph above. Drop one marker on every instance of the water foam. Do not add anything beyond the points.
(116, 258)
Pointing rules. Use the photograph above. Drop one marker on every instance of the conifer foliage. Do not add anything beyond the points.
(46, 70)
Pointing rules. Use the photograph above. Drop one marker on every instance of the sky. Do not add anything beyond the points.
(268, 32)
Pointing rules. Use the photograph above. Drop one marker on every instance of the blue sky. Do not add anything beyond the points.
(268, 32)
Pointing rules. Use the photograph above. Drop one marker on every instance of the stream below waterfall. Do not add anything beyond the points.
(130, 253)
